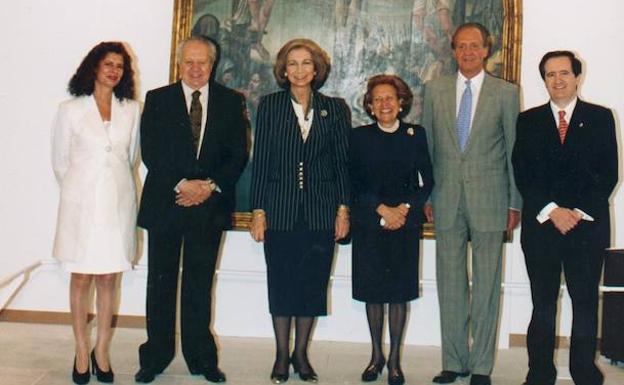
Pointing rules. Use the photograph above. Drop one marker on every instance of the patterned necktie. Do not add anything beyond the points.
(196, 118)
(463, 117)
(563, 126)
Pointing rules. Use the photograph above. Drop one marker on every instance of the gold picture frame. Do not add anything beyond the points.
(508, 41)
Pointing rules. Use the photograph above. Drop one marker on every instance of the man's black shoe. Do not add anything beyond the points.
(447, 376)
(214, 375)
(145, 375)
(480, 379)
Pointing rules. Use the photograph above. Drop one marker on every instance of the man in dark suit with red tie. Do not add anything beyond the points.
(194, 145)
(566, 167)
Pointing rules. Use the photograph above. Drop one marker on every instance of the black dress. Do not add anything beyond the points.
(389, 168)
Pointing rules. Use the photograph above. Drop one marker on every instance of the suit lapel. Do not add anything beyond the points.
(211, 117)
(483, 102)
(119, 119)
(179, 112)
(93, 120)
(449, 104)
(291, 124)
(318, 121)
(549, 125)
(178, 106)
(576, 125)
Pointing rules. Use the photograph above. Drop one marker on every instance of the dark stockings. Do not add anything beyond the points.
(397, 313)
(281, 326)
(303, 327)
(375, 315)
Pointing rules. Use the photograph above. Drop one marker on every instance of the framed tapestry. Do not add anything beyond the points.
(410, 38)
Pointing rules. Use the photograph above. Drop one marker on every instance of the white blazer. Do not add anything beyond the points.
(93, 165)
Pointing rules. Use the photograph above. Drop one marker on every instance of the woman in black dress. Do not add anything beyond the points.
(299, 196)
(391, 179)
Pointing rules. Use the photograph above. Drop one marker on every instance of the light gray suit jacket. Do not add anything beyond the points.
(484, 169)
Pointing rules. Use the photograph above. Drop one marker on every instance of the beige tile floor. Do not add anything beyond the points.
(32, 354)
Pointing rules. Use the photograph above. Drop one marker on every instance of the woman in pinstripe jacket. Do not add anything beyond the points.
(299, 196)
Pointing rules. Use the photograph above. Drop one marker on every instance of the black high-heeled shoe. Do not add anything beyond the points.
(395, 376)
(372, 371)
(304, 376)
(80, 378)
(277, 377)
(101, 375)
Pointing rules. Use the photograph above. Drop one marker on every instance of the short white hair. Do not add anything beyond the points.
(212, 48)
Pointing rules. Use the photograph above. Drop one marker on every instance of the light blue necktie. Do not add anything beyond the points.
(463, 117)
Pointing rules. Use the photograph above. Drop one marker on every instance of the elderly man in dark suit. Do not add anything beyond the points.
(470, 118)
(193, 142)
(566, 166)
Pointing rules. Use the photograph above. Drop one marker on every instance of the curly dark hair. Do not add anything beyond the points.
(83, 81)
(402, 90)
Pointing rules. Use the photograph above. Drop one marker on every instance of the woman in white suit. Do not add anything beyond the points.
(94, 142)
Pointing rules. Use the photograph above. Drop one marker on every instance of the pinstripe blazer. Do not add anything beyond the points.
(483, 171)
(289, 174)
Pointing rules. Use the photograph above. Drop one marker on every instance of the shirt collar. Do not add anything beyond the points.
(188, 91)
(569, 109)
(475, 81)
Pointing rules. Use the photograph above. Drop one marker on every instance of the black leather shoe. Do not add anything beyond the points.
(447, 376)
(101, 375)
(145, 375)
(372, 371)
(396, 377)
(304, 376)
(214, 375)
(480, 379)
(80, 378)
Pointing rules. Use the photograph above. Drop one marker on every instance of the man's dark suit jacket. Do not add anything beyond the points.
(580, 174)
(289, 174)
(168, 152)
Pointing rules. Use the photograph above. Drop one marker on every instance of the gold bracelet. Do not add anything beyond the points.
(258, 213)
(343, 212)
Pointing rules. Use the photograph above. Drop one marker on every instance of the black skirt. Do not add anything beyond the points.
(298, 267)
(385, 264)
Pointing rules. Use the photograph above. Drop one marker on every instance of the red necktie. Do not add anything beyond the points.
(563, 126)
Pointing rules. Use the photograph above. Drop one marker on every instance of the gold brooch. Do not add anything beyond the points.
(410, 131)
(323, 113)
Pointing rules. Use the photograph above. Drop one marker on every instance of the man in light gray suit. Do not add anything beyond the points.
(470, 118)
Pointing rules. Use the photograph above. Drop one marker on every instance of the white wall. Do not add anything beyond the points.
(43, 42)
